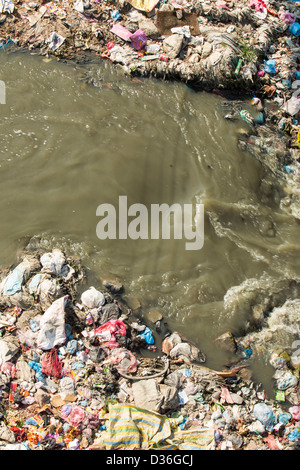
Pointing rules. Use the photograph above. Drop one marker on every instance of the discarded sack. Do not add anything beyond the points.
(135, 428)
(52, 326)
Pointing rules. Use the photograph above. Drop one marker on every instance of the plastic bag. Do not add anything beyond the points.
(37, 367)
(124, 360)
(34, 283)
(51, 365)
(295, 29)
(147, 335)
(285, 379)
(138, 39)
(92, 298)
(294, 435)
(295, 412)
(270, 66)
(265, 415)
(72, 346)
(6, 6)
(14, 281)
(292, 106)
(53, 262)
(107, 332)
(52, 325)
(73, 414)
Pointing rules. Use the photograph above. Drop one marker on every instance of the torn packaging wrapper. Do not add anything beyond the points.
(121, 32)
(138, 39)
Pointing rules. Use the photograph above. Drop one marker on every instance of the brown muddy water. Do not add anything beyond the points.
(73, 137)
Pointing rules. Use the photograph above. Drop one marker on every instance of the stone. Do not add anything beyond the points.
(154, 315)
(133, 302)
(146, 395)
(172, 45)
(238, 399)
(206, 49)
(226, 342)
(194, 58)
(236, 439)
(149, 28)
(113, 285)
(42, 397)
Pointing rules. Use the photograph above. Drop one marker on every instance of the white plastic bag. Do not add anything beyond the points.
(292, 106)
(92, 298)
(53, 262)
(52, 325)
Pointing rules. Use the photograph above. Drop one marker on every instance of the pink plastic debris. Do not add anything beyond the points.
(138, 39)
(295, 412)
(121, 32)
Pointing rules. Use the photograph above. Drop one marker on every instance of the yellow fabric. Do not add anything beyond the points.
(194, 439)
(144, 5)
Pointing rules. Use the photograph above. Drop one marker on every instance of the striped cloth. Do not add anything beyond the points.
(129, 427)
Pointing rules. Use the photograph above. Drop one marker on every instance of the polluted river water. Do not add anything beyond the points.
(74, 137)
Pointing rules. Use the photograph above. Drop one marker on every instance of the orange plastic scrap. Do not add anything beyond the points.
(272, 11)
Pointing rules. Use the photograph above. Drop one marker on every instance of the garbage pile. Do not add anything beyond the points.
(74, 374)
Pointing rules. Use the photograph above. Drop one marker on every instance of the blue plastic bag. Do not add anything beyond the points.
(295, 29)
(14, 281)
(294, 435)
(147, 335)
(284, 417)
(34, 283)
(265, 415)
(270, 66)
(116, 15)
(37, 367)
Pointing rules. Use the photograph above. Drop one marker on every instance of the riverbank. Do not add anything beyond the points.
(76, 360)
(243, 48)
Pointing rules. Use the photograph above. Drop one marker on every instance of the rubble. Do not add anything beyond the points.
(71, 370)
